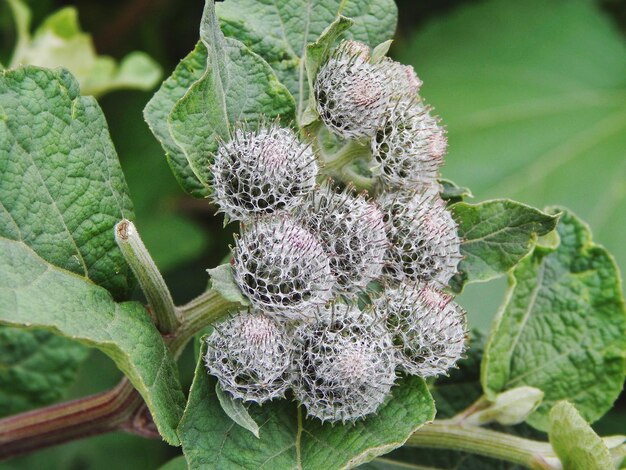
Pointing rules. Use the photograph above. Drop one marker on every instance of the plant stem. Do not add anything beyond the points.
(118, 408)
(150, 279)
(344, 155)
(201, 312)
(476, 440)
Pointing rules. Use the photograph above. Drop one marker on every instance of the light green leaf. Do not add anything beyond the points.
(61, 193)
(380, 51)
(452, 192)
(223, 281)
(61, 186)
(59, 41)
(156, 113)
(236, 411)
(496, 235)
(279, 30)
(316, 53)
(576, 444)
(509, 407)
(528, 114)
(210, 439)
(37, 294)
(36, 367)
(561, 327)
(219, 84)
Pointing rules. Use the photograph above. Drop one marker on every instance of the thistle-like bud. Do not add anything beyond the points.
(403, 80)
(262, 172)
(346, 364)
(425, 245)
(409, 147)
(352, 231)
(282, 268)
(250, 354)
(428, 327)
(352, 94)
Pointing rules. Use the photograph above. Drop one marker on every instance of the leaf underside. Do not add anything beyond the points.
(561, 328)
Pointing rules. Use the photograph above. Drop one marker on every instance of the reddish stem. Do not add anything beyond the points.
(120, 408)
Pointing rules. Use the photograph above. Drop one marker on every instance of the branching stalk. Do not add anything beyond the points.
(476, 440)
(150, 279)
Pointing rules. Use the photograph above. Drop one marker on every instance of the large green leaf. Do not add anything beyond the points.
(59, 41)
(288, 440)
(561, 328)
(61, 193)
(496, 235)
(578, 447)
(533, 95)
(217, 85)
(34, 293)
(36, 367)
(61, 186)
(280, 30)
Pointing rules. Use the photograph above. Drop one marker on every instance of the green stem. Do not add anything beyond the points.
(150, 279)
(344, 155)
(201, 312)
(476, 440)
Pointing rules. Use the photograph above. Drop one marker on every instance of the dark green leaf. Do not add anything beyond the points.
(61, 186)
(495, 236)
(280, 30)
(236, 410)
(210, 439)
(36, 367)
(316, 54)
(578, 447)
(561, 328)
(218, 85)
(178, 463)
(223, 281)
(34, 293)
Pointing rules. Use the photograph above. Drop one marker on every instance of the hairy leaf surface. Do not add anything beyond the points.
(280, 30)
(496, 235)
(217, 85)
(34, 293)
(61, 186)
(576, 444)
(561, 328)
(288, 440)
(36, 367)
(61, 193)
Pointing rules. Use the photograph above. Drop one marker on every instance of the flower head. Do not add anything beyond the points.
(424, 241)
(409, 147)
(428, 327)
(250, 355)
(345, 367)
(282, 268)
(262, 172)
(352, 231)
(352, 94)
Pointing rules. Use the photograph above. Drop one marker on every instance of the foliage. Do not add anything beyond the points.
(558, 338)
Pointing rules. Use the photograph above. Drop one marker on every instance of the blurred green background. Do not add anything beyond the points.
(533, 94)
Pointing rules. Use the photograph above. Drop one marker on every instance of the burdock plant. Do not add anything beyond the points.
(332, 332)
